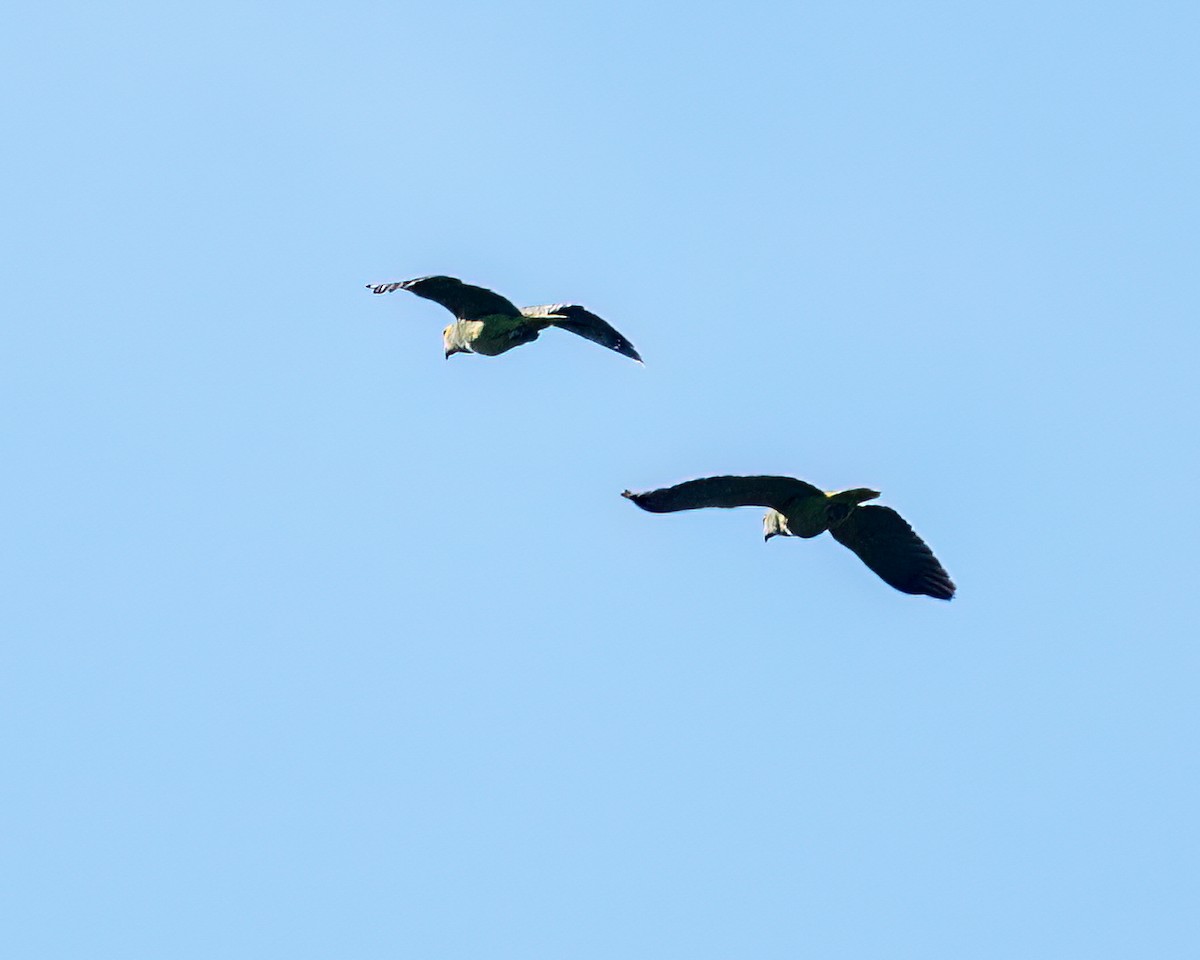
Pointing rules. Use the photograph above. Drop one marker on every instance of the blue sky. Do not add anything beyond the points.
(319, 645)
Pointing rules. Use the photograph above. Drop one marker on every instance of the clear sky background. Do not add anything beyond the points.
(319, 645)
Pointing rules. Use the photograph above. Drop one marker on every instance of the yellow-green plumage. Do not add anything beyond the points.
(488, 336)
(878, 535)
(488, 324)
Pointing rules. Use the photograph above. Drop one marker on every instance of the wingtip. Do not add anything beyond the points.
(389, 286)
(943, 588)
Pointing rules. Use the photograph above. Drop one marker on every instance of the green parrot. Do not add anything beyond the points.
(879, 535)
(486, 323)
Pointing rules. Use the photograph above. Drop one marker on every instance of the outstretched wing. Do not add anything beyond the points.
(887, 544)
(463, 300)
(586, 324)
(774, 492)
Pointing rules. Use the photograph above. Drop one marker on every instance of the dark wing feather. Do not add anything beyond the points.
(887, 544)
(774, 492)
(463, 300)
(586, 324)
